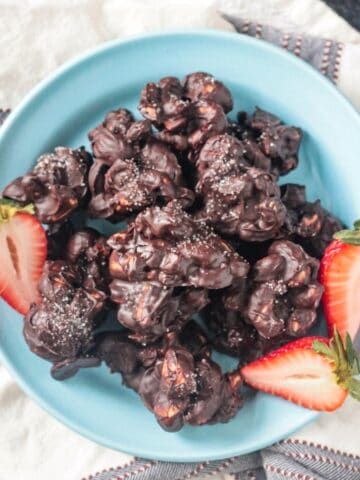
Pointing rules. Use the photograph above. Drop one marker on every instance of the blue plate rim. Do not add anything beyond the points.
(15, 115)
(67, 66)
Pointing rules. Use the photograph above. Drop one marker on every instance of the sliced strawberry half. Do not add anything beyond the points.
(340, 276)
(23, 248)
(311, 372)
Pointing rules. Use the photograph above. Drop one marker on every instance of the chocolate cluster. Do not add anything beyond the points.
(175, 377)
(162, 266)
(307, 223)
(238, 198)
(57, 235)
(74, 292)
(168, 245)
(278, 142)
(57, 185)
(119, 136)
(150, 309)
(132, 169)
(84, 247)
(278, 302)
(209, 231)
(186, 112)
(285, 292)
(61, 327)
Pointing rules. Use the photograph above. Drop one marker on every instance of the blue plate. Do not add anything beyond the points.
(61, 110)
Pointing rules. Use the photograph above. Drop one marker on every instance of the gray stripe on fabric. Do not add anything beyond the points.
(321, 448)
(335, 60)
(144, 470)
(323, 54)
(289, 459)
(278, 466)
(328, 464)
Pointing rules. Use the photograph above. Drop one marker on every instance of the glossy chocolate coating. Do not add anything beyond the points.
(277, 302)
(285, 292)
(202, 86)
(131, 184)
(168, 246)
(150, 309)
(118, 137)
(186, 113)
(125, 355)
(278, 142)
(180, 384)
(61, 327)
(89, 250)
(56, 186)
(308, 223)
(238, 199)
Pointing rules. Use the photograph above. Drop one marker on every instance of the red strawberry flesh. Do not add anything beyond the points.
(298, 374)
(22, 256)
(340, 276)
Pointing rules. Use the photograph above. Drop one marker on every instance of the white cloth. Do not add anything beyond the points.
(36, 36)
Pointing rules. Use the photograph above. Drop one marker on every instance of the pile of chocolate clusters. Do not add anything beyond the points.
(209, 231)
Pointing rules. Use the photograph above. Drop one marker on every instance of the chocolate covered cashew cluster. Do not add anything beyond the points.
(175, 378)
(56, 186)
(162, 264)
(119, 136)
(238, 199)
(132, 170)
(232, 335)
(308, 222)
(129, 187)
(285, 293)
(89, 251)
(61, 327)
(227, 153)
(167, 245)
(229, 332)
(150, 309)
(187, 112)
(277, 302)
(86, 248)
(125, 355)
(278, 142)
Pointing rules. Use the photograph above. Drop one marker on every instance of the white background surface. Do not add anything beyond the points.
(37, 36)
